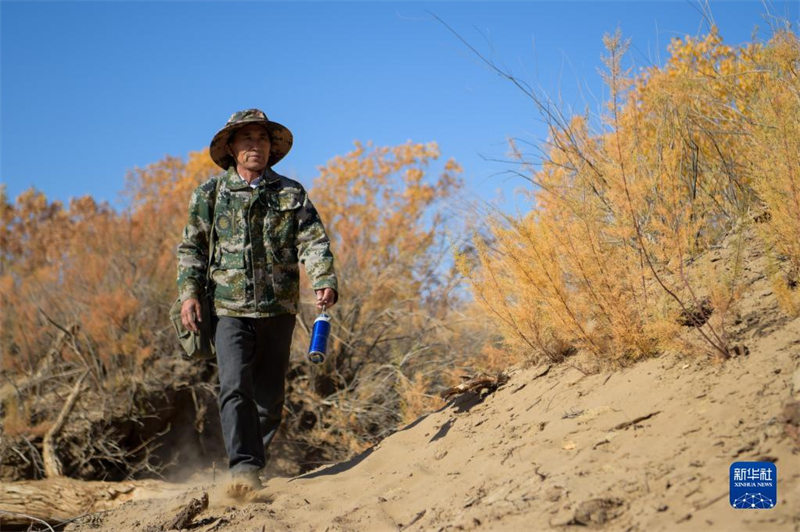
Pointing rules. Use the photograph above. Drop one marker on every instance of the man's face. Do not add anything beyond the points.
(250, 146)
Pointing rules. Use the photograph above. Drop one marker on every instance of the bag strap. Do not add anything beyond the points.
(212, 234)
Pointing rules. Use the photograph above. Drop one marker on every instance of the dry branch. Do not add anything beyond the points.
(52, 465)
(43, 369)
(626, 424)
(475, 384)
(187, 513)
(60, 499)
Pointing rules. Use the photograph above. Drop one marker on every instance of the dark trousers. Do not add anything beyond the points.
(253, 356)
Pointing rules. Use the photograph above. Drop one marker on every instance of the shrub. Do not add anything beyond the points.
(682, 157)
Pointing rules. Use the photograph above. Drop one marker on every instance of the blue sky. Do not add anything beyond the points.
(89, 90)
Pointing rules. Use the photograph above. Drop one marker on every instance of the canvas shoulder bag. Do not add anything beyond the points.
(199, 345)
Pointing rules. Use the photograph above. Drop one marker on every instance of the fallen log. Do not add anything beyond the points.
(57, 500)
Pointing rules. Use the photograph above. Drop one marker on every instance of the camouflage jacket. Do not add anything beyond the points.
(261, 235)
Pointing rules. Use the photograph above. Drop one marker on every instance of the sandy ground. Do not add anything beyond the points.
(552, 451)
(644, 448)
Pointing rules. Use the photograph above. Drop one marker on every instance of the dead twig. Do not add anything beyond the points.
(475, 384)
(70, 334)
(28, 517)
(52, 465)
(626, 424)
(416, 518)
(544, 372)
(187, 513)
(35, 456)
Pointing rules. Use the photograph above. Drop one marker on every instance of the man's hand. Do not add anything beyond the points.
(326, 297)
(190, 314)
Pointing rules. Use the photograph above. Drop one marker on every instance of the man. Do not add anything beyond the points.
(262, 225)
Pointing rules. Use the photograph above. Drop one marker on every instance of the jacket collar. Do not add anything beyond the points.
(233, 180)
(270, 176)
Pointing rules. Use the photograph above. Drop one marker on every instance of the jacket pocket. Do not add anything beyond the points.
(230, 287)
(231, 259)
(282, 219)
(229, 250)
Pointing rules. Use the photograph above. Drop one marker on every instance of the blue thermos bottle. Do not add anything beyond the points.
(319, 338)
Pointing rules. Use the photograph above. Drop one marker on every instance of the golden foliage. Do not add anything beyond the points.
(684, 154)
(392, 328)
(773, 132)
(109, 272)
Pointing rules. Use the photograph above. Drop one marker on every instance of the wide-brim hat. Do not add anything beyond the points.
(279, 135)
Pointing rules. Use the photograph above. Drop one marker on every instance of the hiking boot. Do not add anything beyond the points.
(242, 483)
